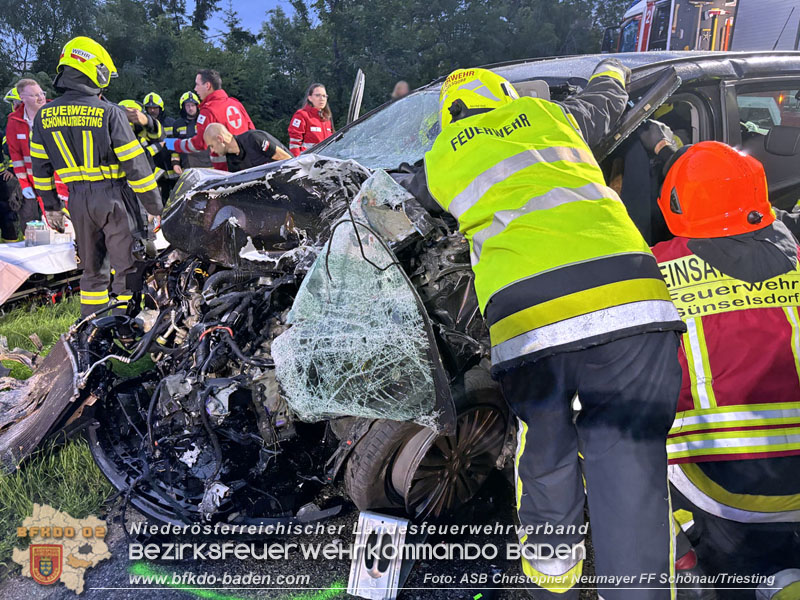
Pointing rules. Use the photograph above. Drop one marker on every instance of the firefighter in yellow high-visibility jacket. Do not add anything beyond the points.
(88, 142)
(575, 305)
(148, 131)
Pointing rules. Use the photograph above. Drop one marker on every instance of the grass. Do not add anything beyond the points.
(48, 322)
(61, 475)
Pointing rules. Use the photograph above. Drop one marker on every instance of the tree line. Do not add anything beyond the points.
(158, 46)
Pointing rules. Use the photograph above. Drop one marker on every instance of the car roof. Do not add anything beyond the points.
(691, 65)
(635, 9)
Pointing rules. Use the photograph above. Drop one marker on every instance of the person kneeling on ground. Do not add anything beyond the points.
(248, 149)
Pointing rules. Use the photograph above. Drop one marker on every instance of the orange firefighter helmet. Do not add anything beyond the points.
(714, 191)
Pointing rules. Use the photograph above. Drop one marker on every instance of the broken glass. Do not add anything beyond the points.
(400, 132)
(358, 343)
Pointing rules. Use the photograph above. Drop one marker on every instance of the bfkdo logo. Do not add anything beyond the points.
(46, 562)
(61, 548)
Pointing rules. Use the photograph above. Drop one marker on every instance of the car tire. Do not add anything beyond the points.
(381, 473)
(366, 477)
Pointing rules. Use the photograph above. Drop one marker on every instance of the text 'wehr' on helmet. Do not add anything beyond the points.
(468, 92)
(90, 58)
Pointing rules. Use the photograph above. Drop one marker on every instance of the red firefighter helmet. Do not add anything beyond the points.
(714, 191)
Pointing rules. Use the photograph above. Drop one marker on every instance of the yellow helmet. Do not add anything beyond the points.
(189, 97)
(153, 99)
(12, 96)
(90, 58)
(468, 92)
(130, 104)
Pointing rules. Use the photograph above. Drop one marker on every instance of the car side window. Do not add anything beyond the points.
(761, 111)
(659, 28)
(630, 35)
(769, 123)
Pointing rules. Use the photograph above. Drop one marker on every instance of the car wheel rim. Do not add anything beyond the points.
(437, 473)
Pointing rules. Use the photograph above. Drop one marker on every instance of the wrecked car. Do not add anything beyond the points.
(311, 321)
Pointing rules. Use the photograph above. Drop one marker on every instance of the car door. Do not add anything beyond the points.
(763, 120)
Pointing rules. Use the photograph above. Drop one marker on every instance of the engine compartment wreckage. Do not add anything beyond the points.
(309, 319)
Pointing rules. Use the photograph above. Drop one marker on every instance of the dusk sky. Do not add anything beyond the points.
(251, 12)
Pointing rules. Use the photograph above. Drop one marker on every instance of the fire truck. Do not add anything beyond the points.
(673, 25)
(767, 25)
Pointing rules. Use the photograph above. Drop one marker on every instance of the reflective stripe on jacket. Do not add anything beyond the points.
(5, 159)
(740, 396)
(18, 139)
(307, 128)
(82, 138)
(18, 142)
(751, 507)
(184, 128)
(558, 263)
(150, 137)
(217, 107)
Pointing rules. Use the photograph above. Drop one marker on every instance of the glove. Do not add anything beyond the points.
(169, 143)
(56, 219)
(613, 64)
(28, 193)
(655, 136)
(136, 117)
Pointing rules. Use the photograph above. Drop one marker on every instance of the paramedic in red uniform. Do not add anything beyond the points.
(734, 448)
(18, 135)
(312, 123)
(215, 107)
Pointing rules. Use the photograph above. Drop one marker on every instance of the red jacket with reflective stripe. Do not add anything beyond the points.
(740, 396)
(217, 107)
(18, 137)
(307, 128)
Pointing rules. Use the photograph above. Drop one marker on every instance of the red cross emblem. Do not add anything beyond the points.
(234, 117)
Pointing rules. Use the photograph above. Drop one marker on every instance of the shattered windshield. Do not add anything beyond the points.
(401, 132)
(335, 360)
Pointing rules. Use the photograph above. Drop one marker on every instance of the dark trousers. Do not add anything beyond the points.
(747, 549)
(104, 234)
(628, 391)
(8, 218)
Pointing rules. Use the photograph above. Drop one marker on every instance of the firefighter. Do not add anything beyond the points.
(575, 305)
(88, 142)
(184, 127)
(215, 107)
(8, 182)
(148, 131)
(245, 150)
(734, 449)
(8, 217)
(154, 106)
